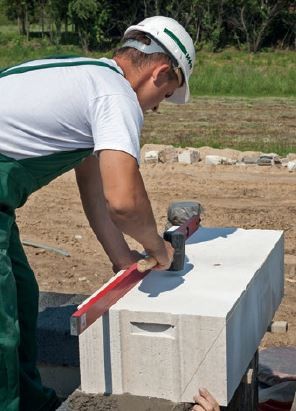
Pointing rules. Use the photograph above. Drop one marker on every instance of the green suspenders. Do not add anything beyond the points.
(24, 69)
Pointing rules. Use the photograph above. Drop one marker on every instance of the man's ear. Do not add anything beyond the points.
(160, 74)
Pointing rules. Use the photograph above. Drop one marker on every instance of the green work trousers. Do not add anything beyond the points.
(20, 384)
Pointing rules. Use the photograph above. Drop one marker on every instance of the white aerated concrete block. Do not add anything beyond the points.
(151, 156)
(188, 157)
(200, 327)
(291, 166)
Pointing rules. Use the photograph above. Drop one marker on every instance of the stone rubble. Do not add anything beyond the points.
(168, 155)
(268, 159)
(189, 155)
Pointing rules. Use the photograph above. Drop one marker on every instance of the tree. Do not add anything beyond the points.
(83, 15)
(204, 20)
(57, 11)
(214, 23)
(20, 10)
(253, 18)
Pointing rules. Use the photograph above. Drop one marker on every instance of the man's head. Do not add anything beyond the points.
(157, 57)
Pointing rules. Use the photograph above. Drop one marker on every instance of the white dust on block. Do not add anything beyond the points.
(200, 327)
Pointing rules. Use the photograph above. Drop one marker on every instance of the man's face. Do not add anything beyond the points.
(159, 86)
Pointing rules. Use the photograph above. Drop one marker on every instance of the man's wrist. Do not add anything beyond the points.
(155, 246)
(127, 261)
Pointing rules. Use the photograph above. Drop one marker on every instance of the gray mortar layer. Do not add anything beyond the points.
(80, 401)
(55, 344)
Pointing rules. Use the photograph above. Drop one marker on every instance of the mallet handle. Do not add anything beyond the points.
(146, 264)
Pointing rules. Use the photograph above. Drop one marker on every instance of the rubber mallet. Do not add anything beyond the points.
(185, 215)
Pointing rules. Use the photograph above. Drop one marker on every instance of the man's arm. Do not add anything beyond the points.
(94, 205)
(129, 206)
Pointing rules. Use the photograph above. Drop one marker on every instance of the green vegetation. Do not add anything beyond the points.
(238, 73)
(15, 49)
(228, 73)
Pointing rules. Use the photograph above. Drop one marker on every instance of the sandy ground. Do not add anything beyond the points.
(241, 196)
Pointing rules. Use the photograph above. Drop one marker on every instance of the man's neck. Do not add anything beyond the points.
(135, 76)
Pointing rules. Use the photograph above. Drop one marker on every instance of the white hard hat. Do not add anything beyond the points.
(178, 44)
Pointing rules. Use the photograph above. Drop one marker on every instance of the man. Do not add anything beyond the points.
(64, 113)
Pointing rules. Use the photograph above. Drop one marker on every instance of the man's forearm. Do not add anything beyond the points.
(115, 201)
(127, 199)
(136, 219)
(94, 205)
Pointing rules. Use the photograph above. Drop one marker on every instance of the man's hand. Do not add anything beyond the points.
(134, 257)
(204, 401)
(164, 255)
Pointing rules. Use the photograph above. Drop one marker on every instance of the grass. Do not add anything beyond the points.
(15, 49)
(228, 73)
(238, 73)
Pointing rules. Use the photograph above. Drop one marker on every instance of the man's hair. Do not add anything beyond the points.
(137, 57)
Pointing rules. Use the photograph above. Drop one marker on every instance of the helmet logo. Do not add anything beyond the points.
(180, 45)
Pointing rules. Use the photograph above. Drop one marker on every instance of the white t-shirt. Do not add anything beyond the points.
(67, 108)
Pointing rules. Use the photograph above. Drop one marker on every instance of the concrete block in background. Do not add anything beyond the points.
(265, 161)
(278, 327)
(168, 155)
(213, 160)
(291, 166)
(250, 160)
(188, 157)
(199, 327)
(58, 352)
(151, 157)
(268, 159)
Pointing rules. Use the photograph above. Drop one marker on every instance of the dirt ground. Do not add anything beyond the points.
(265, 123)
(241, 196)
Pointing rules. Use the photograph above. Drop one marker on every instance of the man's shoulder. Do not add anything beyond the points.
(110, 78)
(111, 84)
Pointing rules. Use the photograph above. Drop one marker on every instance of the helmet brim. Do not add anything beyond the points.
(181, 94)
